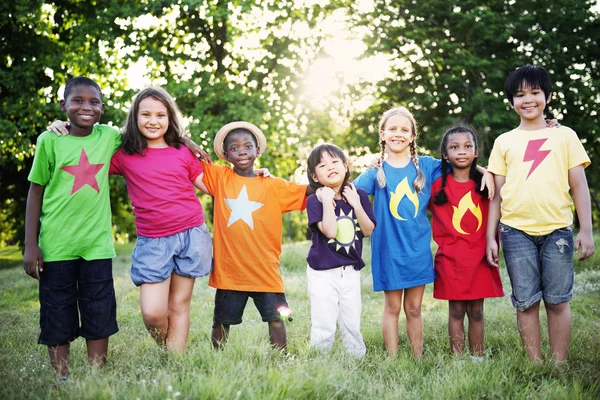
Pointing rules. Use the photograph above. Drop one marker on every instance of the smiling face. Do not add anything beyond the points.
(529, 102)
(153, 121)
(83, 108)
(461, 150)
(330, 171)
(397, 133)
(240, 149)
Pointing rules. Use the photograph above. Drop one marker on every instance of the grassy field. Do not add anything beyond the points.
(249, 368)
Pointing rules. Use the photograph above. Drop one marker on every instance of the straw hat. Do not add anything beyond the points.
(220, 136)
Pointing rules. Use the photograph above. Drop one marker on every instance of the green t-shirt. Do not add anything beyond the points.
(75, 218)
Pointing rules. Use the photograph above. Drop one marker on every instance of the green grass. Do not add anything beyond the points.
(249, 368)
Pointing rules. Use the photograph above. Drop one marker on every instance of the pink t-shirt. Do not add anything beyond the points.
(160, 186)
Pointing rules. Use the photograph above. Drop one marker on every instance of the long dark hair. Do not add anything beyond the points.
(133, 140)
(441, 197)
(314, 158)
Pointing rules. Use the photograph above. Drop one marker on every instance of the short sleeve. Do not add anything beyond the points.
(291, 196)
(116, 165)
(577, 153)
(43, 161)
(432, 166)
(314, 211)
(367, 181)
(212, 175)
(117, 139)
(195, 167)
(497, 162)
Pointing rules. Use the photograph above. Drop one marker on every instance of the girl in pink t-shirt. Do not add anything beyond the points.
(173, 246)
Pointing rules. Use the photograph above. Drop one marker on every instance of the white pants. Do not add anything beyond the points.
(335, 297)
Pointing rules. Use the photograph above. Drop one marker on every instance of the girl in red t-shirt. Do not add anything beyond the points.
(459, 218)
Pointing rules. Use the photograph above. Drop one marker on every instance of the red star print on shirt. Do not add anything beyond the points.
(84, 173)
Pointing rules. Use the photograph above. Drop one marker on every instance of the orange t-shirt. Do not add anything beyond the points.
(247, 228)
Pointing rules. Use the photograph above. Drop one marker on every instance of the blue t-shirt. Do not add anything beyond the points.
(400, 246)
(346, 248)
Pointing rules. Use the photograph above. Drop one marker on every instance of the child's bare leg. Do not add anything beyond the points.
(59, 358)
(529, 329)
(154, 303)
(389, 323)
(97, 351)
(180, 296)
(476, 326)
(277, 334)
(456, 328)
(413, 299)
(559, 330)
(220, 332)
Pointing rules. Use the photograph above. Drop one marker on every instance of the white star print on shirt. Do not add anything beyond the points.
(242, 208)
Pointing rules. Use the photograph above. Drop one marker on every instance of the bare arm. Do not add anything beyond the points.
(33, 257)
(328, 225)
(366, 224)
(584, 241)
(197, 150)
(200, 184)
(487, 181)
(492, 248)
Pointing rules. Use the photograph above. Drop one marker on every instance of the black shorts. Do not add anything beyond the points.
(74, 288)
(230, 305)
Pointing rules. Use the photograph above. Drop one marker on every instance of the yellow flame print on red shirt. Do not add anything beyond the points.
(466, 204)
(402, 190)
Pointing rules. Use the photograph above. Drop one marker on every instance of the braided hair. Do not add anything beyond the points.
(419, 181)
(441, 197)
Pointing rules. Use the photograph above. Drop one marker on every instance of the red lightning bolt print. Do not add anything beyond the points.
(84, 173)
(533, 153)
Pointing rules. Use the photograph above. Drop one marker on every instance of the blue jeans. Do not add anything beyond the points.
(539, 267)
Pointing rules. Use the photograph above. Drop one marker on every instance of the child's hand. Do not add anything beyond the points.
(32, 259)
(491, 252)
(351, 195)
(326, 194)
(375, 163)
(61, 128)
(197, 150)
(264, 172)
(585, 243)
(552, 123)
(488, 181)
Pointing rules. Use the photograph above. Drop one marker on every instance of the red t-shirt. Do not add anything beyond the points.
(247, 228)
(459, 228)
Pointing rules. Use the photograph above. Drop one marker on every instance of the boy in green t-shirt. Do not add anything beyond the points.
(69, 198)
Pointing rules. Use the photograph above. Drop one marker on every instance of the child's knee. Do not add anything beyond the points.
(154, 317)
(412, 310)
(557, 309)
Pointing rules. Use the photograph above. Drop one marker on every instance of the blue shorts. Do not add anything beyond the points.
(188, 254)
(230, 305)
(72, 289)
(539, 267)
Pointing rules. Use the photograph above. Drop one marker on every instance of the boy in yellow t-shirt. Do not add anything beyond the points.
(534, 168)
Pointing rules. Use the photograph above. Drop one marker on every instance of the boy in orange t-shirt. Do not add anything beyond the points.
(247, 232)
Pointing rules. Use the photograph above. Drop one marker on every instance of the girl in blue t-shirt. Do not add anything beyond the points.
(402, 263)
(339, 216)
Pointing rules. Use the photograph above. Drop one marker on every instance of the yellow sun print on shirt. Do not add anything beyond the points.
(347, 227)
(402, 190)
(466, 204)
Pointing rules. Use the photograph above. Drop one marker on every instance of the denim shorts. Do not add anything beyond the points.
(72, 289)
(539, 267)
(230, 305)
(188, 254)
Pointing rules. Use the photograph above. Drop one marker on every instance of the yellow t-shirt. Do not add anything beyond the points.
(535, 197)
(247, 228)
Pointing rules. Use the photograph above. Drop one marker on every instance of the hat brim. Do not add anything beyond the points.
(224, 131)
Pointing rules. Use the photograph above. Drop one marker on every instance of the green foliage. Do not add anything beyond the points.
(248, 368)
(450, 61)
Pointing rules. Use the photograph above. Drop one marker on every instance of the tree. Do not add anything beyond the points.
(222, 61)
(450, 61)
